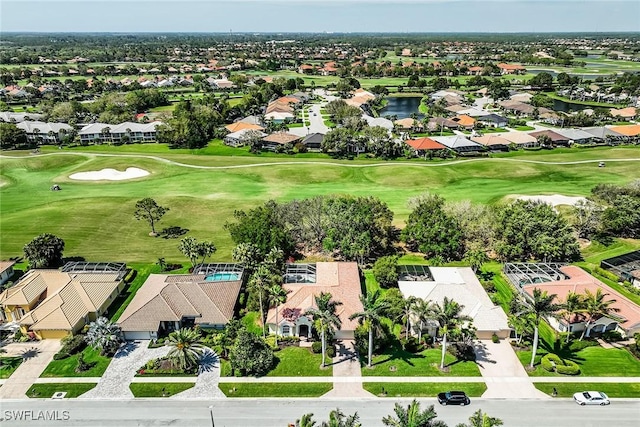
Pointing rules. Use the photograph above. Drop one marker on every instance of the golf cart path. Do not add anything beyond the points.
(323, 163)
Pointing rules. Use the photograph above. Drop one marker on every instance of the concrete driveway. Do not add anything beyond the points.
(37, 355)
(505, 376)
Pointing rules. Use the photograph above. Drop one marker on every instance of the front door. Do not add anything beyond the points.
(303, 331)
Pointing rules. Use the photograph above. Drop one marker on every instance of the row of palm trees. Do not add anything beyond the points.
(543, 305)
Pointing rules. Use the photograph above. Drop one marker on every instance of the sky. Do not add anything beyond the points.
(320, 16)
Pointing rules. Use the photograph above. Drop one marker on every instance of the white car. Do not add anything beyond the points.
(591, 398)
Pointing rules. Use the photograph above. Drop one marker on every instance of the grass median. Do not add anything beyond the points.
(611, 389)
(158, 389)
(47, 390)
(275, 389)
(422, 389)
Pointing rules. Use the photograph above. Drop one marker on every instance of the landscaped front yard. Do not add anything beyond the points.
(8, 365)
(275, 389)
(396, 362)
(45, 391)
(422, 389)
(67, 367)
(291, 362)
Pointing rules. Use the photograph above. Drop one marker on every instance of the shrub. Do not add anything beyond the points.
(547, 363)
(74, 345)
(495, 338)
(331, 351)
(612, 336)
(581, 345)
(411, 345)
(60, 355)
(316, 347)
(462, 351)
(553, 363)
(385, 271)
(569, 368)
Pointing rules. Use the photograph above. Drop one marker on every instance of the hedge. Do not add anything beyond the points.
(553, 363)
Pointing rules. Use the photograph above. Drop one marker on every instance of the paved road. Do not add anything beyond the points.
(280, 412)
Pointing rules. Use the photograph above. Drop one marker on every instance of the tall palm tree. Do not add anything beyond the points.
(325, 319)
(261, 280)
(408, 307)
(374, 309)
(573, 304)
(595, 306)
(448, 315)
(412, 416)
(185, 348)
(540, 306)
(277, 295)
(424, 311)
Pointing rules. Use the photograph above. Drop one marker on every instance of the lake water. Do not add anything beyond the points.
(402, 107)
(560, 105)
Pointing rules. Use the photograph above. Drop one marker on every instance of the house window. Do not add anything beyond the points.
(286, 330)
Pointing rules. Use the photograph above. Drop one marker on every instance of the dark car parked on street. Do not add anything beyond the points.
(453, 398)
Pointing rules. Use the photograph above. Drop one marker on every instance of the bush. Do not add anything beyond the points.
(60, 355)
(569, 368)
(612, 336)
(411, 345)
(495, 338)
(581, 345)
(553, 363)
(462, 351)
(73, 344)
(385, 271)
(547, 363)
(316, 347)
(331, 351)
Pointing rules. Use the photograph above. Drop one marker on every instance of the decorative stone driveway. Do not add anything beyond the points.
(114, 384)
(207, 383)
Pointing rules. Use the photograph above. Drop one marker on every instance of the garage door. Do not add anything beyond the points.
(139, 335)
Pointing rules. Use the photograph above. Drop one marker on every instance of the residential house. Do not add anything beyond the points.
(408, 125)
(628, 113)
(241, 137)
(167, 302)
(279, 139)
(127, 132)
(630, 131)
(511, 69)
(559, 280)
(521, 97)
(57, 303)
(306, 69)
(378, 121)
(493, 120)
(465, 122)
(11, 117)
(554, 137)
(304, 282)
(455, 283)
(438, 123)
(520, 139)
(313, 141)
(459, 143)
(238, 126)
(492, 142)
(625, 266)
(44, 132)
(604, 135)
(425, 147)
(6, 271)
(577, 136)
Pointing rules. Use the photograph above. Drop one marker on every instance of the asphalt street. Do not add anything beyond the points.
(281, 412)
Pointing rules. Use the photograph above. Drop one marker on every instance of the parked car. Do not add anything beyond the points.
(591, 398)
(453, 398)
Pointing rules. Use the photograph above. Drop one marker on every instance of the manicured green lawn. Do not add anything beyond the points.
(66, 367)
(593, 362)
(8, 365)
(103, 226)
(523, 128)
(47, 390)
(251, 321)
(396, 362)
(299, 362)
(422, 389)
(611, 389)
(158, 389)
(275, 389)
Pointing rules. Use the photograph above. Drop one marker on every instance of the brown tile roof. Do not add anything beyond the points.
(340, 279)
(32, 285)
(282, 107)
(171, 297)
(580, 281)
(504, 66)
(489, 140)
(5, 265)
(629, 112)
(238, 126)
(281, 138)
(425, 144)
(553, 136)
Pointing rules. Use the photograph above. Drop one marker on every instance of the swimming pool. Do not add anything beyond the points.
(222, 277)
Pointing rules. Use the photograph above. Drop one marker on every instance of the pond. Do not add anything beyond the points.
(567, 107)
(402, 107)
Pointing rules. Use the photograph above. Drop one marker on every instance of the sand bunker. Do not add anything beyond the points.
(554, 199)
(109, 175)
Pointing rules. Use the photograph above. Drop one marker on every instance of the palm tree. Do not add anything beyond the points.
(407, 311)
(573, 304)
(449, 316)
(277, 295)
(306, 421)
(595, 306)
(259, 282)
(479, 419)
(371, 316)
(104, 335)
(185, 348)
(338, 419)
(412, 416)
(424, 312)
(325, 319)
(542, 305)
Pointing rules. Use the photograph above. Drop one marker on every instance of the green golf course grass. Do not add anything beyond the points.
(96, 221)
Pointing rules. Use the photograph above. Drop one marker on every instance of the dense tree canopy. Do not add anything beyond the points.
(44, 251)
(251, 355)
(11, 136)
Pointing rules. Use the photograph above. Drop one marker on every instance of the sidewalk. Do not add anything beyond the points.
(347, 376)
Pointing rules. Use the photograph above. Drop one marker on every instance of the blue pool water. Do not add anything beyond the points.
(222, 277)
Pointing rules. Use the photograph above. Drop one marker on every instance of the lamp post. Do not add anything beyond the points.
(213, 424)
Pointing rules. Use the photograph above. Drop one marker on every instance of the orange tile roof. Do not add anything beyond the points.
(425, 144)
(629, 130)
(464, 120)
(238, 126)
(510, 66)
(580, 281)
(340, 279)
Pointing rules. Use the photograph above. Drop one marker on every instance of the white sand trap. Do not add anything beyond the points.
(109, 175)
(554, 199)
